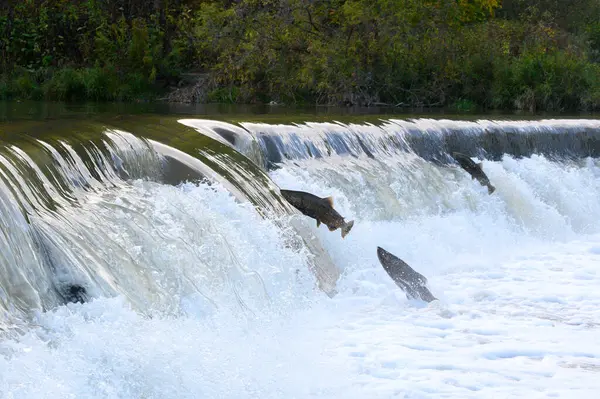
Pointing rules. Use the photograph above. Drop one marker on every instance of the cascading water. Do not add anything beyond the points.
(197, 274)
(81, 219)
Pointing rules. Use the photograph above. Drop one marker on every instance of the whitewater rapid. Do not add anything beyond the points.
(225, 307)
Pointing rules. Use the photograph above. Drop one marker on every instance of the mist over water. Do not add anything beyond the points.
(193, 291)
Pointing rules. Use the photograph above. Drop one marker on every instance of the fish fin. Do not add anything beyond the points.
(332, 228)
(329, 200)
(346, 228)
(479, 165)
(491, 189)
(318, 223)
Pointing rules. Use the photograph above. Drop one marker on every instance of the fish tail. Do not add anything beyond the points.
(491, 188)
(346, 228)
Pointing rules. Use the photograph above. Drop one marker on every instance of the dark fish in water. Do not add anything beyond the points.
(317, 208)
(474, 169)
(412, 283)
(74, 293)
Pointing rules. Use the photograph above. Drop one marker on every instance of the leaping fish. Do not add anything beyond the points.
(474, 169)
(317, 208)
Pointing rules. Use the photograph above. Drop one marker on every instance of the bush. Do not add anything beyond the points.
(531, 55)
(554, 81)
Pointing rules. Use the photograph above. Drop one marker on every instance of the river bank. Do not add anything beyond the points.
(480, 55)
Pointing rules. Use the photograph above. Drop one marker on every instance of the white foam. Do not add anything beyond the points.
(529, 328)
(516, 274)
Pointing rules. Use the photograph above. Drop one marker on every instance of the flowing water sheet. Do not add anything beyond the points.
(194, 293)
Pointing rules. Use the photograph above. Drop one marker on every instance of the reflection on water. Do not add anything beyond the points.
(39, 110)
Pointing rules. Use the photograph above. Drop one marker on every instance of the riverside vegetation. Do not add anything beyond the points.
(512, 54)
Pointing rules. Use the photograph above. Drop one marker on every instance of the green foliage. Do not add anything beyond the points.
(91, 49)
(550, 81)
(70, 84)
(463, 105)
(466, 54)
